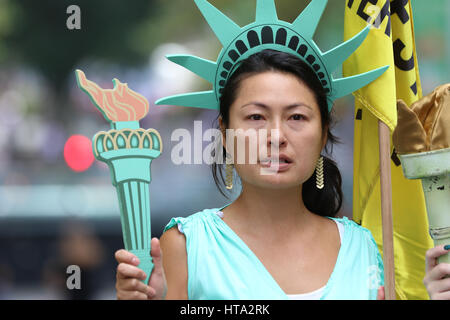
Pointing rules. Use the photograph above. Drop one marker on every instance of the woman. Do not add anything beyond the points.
(279, 239)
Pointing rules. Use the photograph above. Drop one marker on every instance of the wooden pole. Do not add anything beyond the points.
(386, 210)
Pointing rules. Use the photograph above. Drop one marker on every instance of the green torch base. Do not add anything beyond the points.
(433, 168)
(129, 154)
(146, 262)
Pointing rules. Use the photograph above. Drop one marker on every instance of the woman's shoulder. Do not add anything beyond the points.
(349, 223)
(186, 221)
(356, 231)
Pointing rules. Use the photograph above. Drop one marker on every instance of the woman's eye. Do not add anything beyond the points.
(298, 117)
(255, 117)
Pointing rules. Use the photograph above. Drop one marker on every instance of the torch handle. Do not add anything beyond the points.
(134, 203)
(437, 197)
(145, 262)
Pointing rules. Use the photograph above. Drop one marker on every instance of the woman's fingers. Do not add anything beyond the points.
(440, 286)
(439, 272)
(128, 286)
(437, 280)
(125, 271)
(432, 255)
(441, 296)
(129, 275)
(123, 256)
(135, 285)
(131, 295)
(380, 293)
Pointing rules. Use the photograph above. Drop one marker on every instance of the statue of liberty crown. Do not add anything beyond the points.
(268, 32)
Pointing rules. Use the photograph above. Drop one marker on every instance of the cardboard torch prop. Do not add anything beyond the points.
(422, 141)
(128, 150)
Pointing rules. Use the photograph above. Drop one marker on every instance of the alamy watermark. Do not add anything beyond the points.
(74, 279)
(374, 19)
(251, 142)
(73, 21)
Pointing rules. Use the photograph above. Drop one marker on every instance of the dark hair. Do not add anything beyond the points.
(324, 202)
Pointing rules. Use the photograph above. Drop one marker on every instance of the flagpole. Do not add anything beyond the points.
(386, 210)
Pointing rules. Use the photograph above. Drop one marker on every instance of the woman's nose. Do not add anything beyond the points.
(277, 138)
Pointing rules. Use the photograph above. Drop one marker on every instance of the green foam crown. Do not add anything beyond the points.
(268, 32)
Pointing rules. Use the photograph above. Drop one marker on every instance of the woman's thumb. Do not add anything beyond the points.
(156, 254)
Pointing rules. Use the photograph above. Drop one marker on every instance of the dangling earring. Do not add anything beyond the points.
(319, 174)
(229, 174)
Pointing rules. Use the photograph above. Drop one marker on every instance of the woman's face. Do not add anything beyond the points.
(280, 101)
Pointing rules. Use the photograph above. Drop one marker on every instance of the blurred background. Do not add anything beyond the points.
(57, 204)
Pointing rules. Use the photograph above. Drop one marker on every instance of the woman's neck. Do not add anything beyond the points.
(277, 210)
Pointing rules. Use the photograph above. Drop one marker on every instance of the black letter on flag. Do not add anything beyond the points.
(398, 7)
(404, 65)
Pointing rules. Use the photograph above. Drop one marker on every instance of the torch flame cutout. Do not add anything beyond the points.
(118, 104)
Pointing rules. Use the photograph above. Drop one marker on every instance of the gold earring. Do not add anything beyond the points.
(229, 175)
(319, 174)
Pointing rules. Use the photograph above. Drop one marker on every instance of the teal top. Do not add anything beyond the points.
(222, 267)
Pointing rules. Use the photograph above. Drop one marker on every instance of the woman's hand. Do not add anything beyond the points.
(380, 293)
(128, 278)
(437, 276)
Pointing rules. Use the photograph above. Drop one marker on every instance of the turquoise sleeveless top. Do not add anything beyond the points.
(222, 267)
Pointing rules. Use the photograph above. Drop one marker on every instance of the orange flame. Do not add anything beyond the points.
(118, 104)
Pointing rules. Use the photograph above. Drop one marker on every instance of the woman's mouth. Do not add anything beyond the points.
(283, 165)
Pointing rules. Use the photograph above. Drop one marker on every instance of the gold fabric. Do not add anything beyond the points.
(426, 125)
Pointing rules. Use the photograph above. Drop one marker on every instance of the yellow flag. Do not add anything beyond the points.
(390, 42)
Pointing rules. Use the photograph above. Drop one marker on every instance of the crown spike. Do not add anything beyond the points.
(224, 28)
(336, 56)
(201, 67)
(345, 86)
(307, 22)
(204, 100)
(266, 11)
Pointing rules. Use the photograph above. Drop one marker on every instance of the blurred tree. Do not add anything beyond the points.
(35, 34)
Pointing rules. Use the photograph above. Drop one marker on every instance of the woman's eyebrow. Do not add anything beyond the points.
(289, 107)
